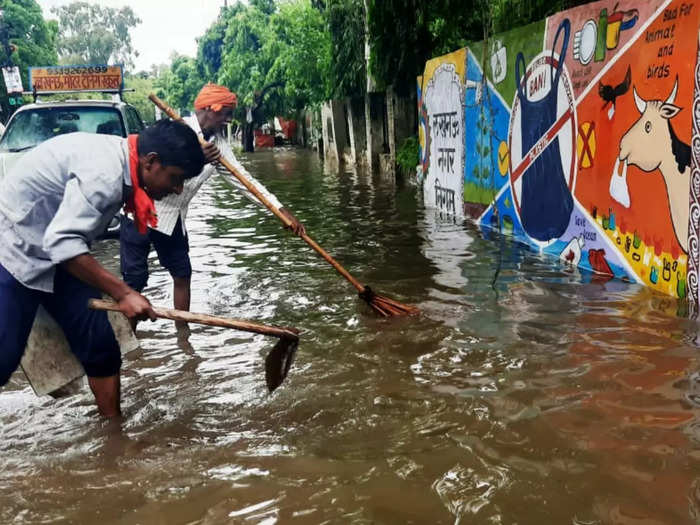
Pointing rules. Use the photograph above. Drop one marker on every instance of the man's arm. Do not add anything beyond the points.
(132, 304)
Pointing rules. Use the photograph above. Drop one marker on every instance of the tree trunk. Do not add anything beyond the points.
(249, 127)
(248, 137)
(304, 131)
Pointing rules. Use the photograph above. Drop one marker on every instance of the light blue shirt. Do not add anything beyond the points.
(56, 199)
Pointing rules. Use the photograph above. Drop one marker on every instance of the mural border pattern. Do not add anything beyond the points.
(694, 215)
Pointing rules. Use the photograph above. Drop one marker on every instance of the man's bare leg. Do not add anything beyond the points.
(107, 395)
(181, 297)
(181, 293)
(181, 300)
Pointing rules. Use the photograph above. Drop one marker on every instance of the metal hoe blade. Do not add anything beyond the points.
(279, 361)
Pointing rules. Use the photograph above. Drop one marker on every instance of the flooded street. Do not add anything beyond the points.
(526, 392)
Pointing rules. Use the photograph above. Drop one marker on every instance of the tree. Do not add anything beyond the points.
(290, 46)
(91, 34)
(301, 47)
(244, 66)
(276, 60)
(264, 6)
(403, 35)
(346, 25)
(180, 84)
(210, 46)
(35, 38)
(143, 85)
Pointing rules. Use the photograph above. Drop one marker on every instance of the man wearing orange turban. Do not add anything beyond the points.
(213, 110)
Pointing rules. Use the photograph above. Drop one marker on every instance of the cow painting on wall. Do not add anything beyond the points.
(652, 145)
(633, 175)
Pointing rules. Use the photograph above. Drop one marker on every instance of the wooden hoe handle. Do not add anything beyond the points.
(212, 320)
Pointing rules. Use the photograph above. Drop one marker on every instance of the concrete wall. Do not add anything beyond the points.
(375, 119)
(358, 132)
(354, 141)
(587, 157)
(331, 160)
(336, 142)
(340, 126)
(316, 141)
(302, 135)
(344, 134)
(401, 123)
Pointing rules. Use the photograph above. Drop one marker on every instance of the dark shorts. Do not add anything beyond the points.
(89, 332)
(173, 253)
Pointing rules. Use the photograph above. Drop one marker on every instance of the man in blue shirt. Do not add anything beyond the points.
(53, 204)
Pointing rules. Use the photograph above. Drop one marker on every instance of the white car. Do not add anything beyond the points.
(37, 122)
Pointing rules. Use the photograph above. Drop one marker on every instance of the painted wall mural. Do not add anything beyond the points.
(443, 103)
(576, 137)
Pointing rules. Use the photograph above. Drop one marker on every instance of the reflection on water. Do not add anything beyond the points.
(525, 393)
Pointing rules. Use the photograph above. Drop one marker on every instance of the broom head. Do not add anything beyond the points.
(386, 307)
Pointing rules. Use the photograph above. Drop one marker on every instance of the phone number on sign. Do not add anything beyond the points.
(72, 70)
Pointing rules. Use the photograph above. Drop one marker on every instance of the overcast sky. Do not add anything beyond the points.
(166, 25)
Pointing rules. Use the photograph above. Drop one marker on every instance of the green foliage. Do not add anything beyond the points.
(307, 51)
(264, 6)
(261, 47)
(301, 47)
(211, 44)
(91, 34)
(407, 156)
(509, 14)
(346, 25)
(244, 66)
(143, 86)
(23, 24)
(179, 84)
(403, 35)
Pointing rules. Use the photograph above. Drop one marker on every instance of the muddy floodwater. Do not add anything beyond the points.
(526, 392)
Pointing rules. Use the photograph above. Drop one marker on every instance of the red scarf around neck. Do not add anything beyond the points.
(140, 205)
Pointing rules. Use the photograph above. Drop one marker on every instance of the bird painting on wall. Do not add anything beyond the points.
(610, 93)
